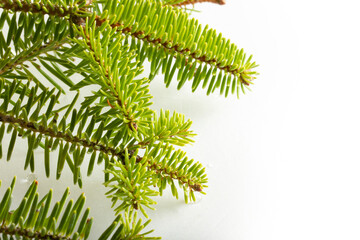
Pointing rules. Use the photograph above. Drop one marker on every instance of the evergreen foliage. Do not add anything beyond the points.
(34, 218)
(104, 44)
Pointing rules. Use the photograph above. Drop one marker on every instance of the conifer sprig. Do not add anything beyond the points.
(73, 138)
(105, 43)
(134, 179)
(109, 64)
(200, 54)
(35, 219)
(76, 138)
(131, 184)
(170, 165)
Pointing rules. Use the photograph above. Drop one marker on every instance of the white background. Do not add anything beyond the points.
(283, 161)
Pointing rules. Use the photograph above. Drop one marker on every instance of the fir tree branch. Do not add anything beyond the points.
(24, 120)
(34, 218)
(110, 65)
(120, 103)
(175, 48)
(174, 174)
(111, 38)
(36, 128)
(131, 183)
(160, 165)
(168, 33)
(225, 58)
(170, 165)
